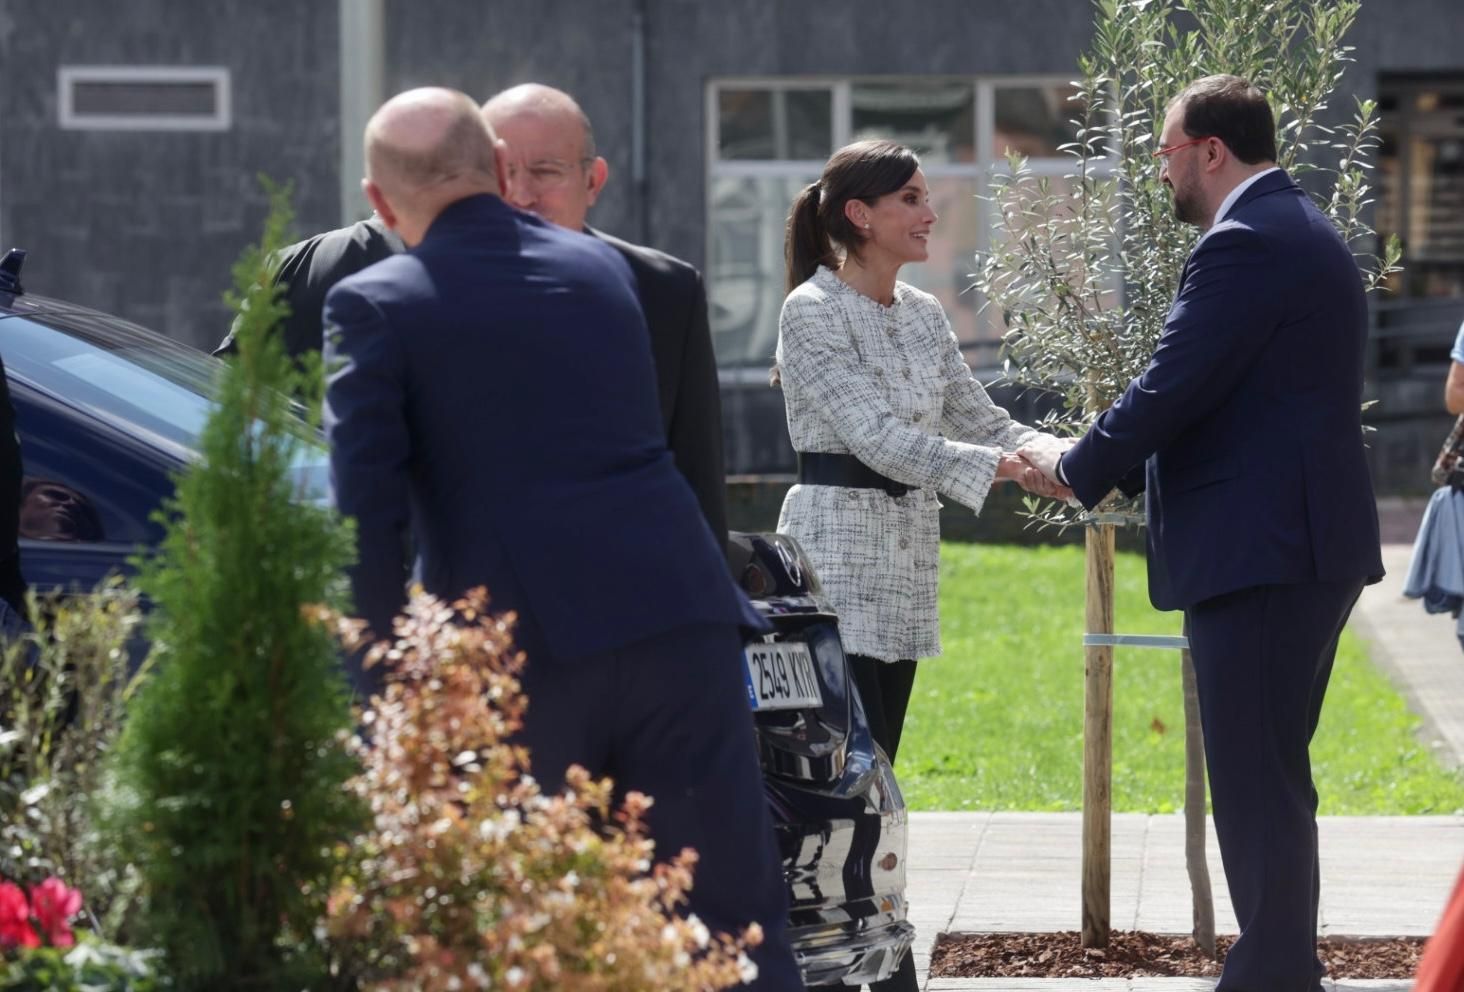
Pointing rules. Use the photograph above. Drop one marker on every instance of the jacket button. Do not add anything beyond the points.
(918, 417)
(904, 544)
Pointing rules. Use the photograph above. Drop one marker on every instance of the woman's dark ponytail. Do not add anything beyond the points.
(818, 228)
(806, 245)
(817, 224)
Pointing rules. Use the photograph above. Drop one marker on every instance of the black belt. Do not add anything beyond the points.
(823, 468)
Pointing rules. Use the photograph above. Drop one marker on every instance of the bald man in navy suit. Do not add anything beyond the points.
(492, 393)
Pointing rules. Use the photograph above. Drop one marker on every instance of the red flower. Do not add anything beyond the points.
(53, 905)
(15, 925)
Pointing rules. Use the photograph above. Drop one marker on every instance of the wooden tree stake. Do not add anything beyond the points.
(1098, 739)
(1194, 812)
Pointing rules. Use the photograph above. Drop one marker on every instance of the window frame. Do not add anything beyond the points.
(69, 119)
(985, 167)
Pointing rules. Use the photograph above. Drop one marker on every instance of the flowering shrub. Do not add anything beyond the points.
(47, 914)
(470, 877)
(90, 966)
(62, 686)
(15, 921)
(40, 953)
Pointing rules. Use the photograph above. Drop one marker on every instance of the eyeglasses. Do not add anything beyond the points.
(550, 173)
(1166, 152)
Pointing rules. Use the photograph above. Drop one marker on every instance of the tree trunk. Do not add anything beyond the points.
(1194, 812)
(1098, 739)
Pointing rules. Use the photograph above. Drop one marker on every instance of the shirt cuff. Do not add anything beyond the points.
(1061, 475)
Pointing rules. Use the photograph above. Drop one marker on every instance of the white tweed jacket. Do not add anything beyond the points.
(889, 386)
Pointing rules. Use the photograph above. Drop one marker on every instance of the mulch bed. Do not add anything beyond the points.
(1135, 954)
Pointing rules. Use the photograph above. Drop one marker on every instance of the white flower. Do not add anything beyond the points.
(500, 827)
(515, 975)
(699, 930)
(746, 970)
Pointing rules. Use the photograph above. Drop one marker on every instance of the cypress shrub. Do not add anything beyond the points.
(228, 781)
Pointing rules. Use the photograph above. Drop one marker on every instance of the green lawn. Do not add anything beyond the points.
(997, 722)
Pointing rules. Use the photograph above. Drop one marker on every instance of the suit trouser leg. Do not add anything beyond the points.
(684, 735)
(567, 721)
(1263, 657)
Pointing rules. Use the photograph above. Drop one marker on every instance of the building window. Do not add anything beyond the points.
(144, 98)
(1421, 181)
(768, 138)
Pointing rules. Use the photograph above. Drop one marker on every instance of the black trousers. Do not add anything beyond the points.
(1263, 657)
(884, 688)
(668, 717)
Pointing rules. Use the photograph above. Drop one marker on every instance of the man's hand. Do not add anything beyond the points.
(1043, 453)
(1018, 469)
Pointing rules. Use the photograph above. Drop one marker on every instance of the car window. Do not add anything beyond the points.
(153, 389)
(84, 482)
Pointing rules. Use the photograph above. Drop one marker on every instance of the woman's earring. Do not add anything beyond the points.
(866, 227)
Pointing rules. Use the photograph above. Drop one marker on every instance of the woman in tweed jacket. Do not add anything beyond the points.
(879, 400)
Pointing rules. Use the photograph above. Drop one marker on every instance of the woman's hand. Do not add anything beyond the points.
(1012, 466)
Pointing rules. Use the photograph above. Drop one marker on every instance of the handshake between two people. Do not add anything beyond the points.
(1033, 466)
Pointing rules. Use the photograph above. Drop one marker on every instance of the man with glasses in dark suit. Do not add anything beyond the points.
(559, 176)
(1245, 432)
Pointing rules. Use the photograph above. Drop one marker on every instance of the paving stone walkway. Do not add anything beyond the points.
(1381, 876)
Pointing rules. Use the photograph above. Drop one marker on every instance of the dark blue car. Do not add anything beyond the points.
(108, 412)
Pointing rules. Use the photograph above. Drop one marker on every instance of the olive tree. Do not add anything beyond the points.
(1084, 271)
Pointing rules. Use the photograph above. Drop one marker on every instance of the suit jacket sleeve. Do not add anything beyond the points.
(1225, 313)
(695, 432)
(300, 328)
(366, 426)
(816, 356)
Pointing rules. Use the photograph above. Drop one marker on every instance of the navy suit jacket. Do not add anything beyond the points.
(1247, 421)
(493, 390)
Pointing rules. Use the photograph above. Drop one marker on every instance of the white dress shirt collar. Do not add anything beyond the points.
(1236, 193)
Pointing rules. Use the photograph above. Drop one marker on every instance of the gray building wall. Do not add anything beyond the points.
(482, 48)
(146, 224)
(587, 49)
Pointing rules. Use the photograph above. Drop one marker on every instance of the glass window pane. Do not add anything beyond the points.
(778, 125)
(745, 264)
(121, 97)
(1434, 233)
(1034, 120)
(1421, 187)
(949, 272)
(935, 119)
